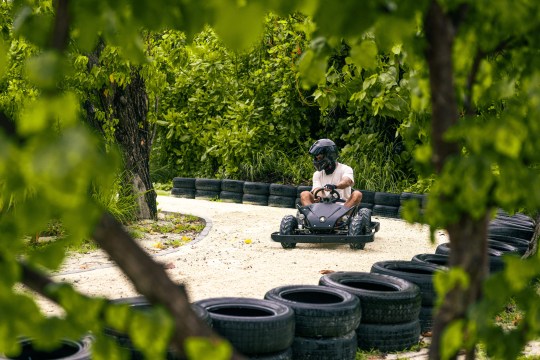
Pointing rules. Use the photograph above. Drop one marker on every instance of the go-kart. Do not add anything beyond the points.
(326, 221)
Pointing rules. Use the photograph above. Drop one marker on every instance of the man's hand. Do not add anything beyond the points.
(329, 187)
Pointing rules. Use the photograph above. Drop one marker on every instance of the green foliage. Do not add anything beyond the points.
(204, 349)
(218, 110)
(223, 109)
(118, 199)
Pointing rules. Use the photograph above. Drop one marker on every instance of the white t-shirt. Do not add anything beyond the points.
(320, 179)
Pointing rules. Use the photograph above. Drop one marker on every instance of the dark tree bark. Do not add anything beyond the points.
(128, 104)
(133, 134)
(468, 237)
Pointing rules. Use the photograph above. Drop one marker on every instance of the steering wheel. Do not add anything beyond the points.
(334, 196)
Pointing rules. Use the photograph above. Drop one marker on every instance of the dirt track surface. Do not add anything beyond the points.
(235, 256)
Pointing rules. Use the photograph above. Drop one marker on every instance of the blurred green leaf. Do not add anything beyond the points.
(204, 349)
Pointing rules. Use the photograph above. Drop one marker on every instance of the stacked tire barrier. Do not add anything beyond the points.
(280, 195)
(386, 204)
(232, 191)
(419, 273)
(390, 309)
(207, 189)
(368, 199)
(258, 328)
(141, 303)
(516, 230)
(419, 199)
(256, 193)
(183, 187)
(325, 320)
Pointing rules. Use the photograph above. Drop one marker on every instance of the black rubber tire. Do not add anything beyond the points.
(288, 226)
(252, 326)
(518, 217)
(319, 311)
(384, 299)
(282, 190)
(67, 350)
(495, 262)
(184, 183)
(255, 199)
(387, 199)
(360, 224)
(183, 193)
(140, 303)
(281, 201)
(229, 196)
(444, 249)
(419, 273)
(302, 188)
(364, 205)
(388, 337)
(409, 196)
(512, 222)
(510, 231)
(437, 259)
(368, 196)
(207, 194)
(426, 319)
(234, 186)
(522, 244)
(386, 211)
(504, 248)
(342, 347)
(256, 188)
(280, 355)
(208, 184)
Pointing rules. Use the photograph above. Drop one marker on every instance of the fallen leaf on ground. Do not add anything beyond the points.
(326, 272)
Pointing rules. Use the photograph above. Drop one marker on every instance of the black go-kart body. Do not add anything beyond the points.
(327, 221)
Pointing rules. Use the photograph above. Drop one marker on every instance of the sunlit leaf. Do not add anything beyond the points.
(204, 349)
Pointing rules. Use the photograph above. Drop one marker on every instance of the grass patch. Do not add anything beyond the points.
(169, 223)
(186, 227)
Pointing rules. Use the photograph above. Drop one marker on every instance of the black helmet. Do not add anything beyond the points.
(327, 148)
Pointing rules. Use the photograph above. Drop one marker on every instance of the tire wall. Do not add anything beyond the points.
(279, 195)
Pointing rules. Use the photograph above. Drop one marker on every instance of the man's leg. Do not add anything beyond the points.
(354, 199)
(306, 198)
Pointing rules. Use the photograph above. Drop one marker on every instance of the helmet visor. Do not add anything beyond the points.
(320, 162)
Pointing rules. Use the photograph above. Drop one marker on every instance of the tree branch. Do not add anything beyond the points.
(440, 34)
(60, 33)
(151, 280)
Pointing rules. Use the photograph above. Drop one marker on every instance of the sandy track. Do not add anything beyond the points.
(235, 256)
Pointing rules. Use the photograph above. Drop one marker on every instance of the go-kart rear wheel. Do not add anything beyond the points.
(287, 227)
(360, 225)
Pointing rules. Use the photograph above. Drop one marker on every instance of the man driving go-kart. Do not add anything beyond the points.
(330, 175)
(329, 213)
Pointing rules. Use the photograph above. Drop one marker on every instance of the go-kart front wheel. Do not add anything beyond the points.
(360, 225)
(287, 227)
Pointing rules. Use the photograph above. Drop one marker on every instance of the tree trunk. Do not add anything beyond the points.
(468, 237)
(133, 134)
(129, 105)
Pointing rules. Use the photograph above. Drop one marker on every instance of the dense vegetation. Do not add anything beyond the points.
(244, 115)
